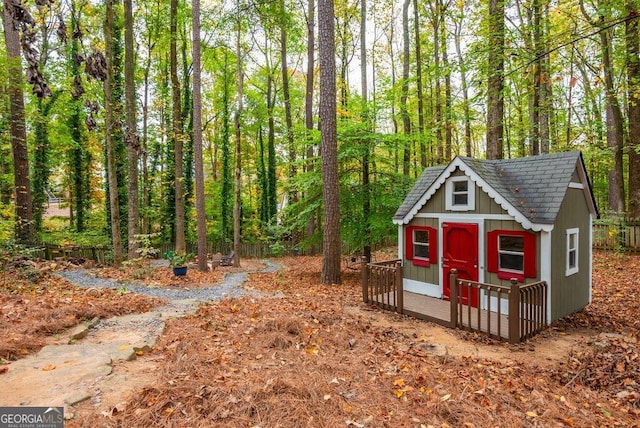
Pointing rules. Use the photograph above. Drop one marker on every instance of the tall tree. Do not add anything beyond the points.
(197, 139)
(237, 204)
(495, 85)
(404, 96)
(613, 112)
(24, 230)
(131, 134)
(109, 124)
(633, 97)
(463, 81)
(177, 136)
(366, 200)
(419, 93)
(331, 244)
(286, 94)
(308, 101)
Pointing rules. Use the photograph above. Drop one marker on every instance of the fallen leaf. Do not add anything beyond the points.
(445, 397)
(399, 382)
(532, 414)
(49, 367)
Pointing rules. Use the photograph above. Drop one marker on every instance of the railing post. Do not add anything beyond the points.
(514, 312)
(453, 296)
(399, 288)
(365, 279)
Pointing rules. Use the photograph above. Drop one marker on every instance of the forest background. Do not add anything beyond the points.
(240, 120)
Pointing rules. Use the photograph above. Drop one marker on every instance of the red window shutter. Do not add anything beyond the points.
(433, 245)
(530, 270)
(408, 242)
(492, 251)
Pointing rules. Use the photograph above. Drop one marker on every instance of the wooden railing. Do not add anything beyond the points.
(382, 284)
(526, 313)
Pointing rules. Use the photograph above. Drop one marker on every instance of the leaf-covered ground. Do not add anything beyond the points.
(34, 305)
(314, 355)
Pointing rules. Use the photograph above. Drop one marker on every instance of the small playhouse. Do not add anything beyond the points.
(514, 235)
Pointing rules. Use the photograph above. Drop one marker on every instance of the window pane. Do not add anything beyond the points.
(421, 236)
(460, 186)
(512, 262)
(572, 241)
(421, 251)
(460, 199)
(572, 259)
(512, 243)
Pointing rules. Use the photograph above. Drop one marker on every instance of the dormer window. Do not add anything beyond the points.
(460, 194)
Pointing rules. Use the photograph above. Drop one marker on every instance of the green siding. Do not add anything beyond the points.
(421, 273)
(570, 293)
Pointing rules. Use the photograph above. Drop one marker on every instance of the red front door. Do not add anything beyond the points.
(460, 251)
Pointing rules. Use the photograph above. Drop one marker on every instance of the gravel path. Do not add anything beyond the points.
(230, 286)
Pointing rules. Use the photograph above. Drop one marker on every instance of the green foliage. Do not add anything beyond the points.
(145, 249)
(58, 231)
(178, 259)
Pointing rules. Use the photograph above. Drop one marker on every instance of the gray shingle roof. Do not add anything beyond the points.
(422, 184)
(534, 185)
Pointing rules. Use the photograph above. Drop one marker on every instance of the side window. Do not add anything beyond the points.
(511, 254)
(421, 245)
(460, 194)
(572, 251)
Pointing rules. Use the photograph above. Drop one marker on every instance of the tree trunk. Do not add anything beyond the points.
(308, 104)
(238, 169)
(613, 114)
(435, 22)
(465, 90)
(366, 199)
(180, 246)
(448, 128)
(108, 126)
(495, 102)
(331, 244)
(633, 79)
(197, 140)
(419, 93)
(131, 134)
(404, 111)
(284, 67)
(24, 231)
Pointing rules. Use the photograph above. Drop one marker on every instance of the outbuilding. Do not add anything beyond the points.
(502, 222)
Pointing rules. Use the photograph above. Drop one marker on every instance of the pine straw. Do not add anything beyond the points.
(32, 311)
(308, 359)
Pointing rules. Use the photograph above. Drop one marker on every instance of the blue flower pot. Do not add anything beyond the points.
(180, 271)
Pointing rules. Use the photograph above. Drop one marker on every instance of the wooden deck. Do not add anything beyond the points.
(438, 311)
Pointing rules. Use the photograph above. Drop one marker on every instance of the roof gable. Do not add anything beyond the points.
(530, 189)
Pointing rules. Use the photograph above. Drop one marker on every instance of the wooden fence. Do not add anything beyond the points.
(621, 234)
(381, 284)
(526, 313)
(524, 316)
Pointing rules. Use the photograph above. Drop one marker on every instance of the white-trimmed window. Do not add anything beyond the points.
(421, 244)
(572, 251)
(511, 253)
(460, 194)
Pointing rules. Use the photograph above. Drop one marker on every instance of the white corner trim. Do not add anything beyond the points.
(545, 253)
(573, 185)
